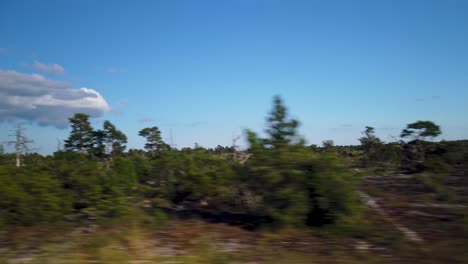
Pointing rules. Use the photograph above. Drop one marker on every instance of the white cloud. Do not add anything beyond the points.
(47, 102)
(48, 68)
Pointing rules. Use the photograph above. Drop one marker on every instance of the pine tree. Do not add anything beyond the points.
(81, 136)
(154, 142)
(114, 138)
(281, 130)
(371, 146)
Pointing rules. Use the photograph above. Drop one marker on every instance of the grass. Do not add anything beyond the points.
(155, 238)
(195, 241)
(435, 183)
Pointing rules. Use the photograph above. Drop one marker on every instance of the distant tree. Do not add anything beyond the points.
(314, 147)
(154, 142)
(286, 181)
(416, 150)
(281, 130)
(371, 146)
(219, 149)
(421, 130)
(99, 143)
(328, 143)
(196, 146)
(81, 136)
(369, 137)
(114, 138)
(21, 143)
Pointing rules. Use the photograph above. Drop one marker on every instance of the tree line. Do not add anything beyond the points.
(279, 180)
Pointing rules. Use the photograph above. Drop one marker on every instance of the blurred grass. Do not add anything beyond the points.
(141, 239)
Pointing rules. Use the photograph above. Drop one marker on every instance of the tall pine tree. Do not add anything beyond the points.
(81, 136)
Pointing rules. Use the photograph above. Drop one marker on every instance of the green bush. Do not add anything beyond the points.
(159, 217)
(436, 165)
(30, 196)
(295, 186)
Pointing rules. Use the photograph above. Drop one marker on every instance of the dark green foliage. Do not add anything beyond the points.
(369, 138)
(420, 130)
(219, 150)
(377, 154)
(278, 178)
(281, 131)
(290, 183)
(417, 149)
(191, 177)
(454, 152)
(109, 141)
(154, 142)
(99, 143)
(331, 189)
(99, 148)
(328, 144)
(371, 146)
(114, 138)
(297, 187)
(436, 165)
(141, 164)
(96, 190)
(81, 136)
(29, 196)
(159, 217)
(282, 179)
(123, 174)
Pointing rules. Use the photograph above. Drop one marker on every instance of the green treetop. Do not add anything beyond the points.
(154, 142)
(281, 130)
(421, 130)
(81, 136)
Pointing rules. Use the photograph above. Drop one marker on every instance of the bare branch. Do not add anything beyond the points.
(21, 143)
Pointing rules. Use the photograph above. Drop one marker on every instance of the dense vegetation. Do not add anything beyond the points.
(278, 180)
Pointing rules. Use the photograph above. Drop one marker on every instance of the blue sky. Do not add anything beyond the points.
(208, 69)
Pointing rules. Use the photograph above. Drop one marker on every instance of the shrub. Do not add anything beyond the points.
(436, 165)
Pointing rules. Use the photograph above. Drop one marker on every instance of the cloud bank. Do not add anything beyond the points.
(48, 68)
(47, 102)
